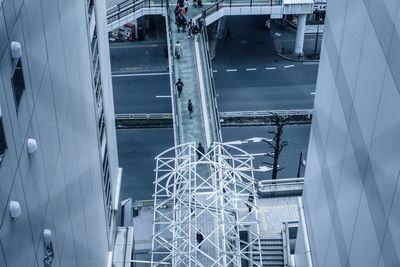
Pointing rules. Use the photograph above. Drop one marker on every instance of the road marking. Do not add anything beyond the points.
(230, 70)
(288, 66)
(215, 70)
(250, 69)
(163, 96)
(311, 63)
(312, 93)
(271, 68)
(140, 74)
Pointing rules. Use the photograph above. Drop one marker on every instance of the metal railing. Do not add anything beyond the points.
(233, 114)
(239, 3)
(266, 113)
(212, 89)
(130, 6)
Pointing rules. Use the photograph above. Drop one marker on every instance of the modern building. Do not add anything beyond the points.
(59, 173)
(352, 192)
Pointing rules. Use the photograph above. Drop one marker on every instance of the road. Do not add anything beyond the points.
(249, 75)
(296, 135)
(140, 77)
(137, 149)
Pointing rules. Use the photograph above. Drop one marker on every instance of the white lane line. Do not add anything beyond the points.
(140, 74)
(215, 70)
(230, 70)
(250, 69)
(312, 93)
(163, 96)
(288, 66)
(271, 68)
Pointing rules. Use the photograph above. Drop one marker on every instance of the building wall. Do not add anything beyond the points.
(352, 194)
(60, 186)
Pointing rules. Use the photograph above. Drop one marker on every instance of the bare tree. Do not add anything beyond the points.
(276, 144)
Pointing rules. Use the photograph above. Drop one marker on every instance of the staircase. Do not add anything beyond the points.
(271, 251)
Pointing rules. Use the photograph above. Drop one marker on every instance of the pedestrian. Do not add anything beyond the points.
(250, 200)
(166, 52)
(200, 151)
(200, 22)
(199, 238)
(179, 86)
(195, 32)
(178, 50)
(228, 36)
(186, 5)
(199, 3)
(190, 108)
(190, 26)
(194, 3)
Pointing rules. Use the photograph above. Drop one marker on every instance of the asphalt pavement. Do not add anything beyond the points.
(140, 77)
(250, 75)
(296, 135)
(137, 149)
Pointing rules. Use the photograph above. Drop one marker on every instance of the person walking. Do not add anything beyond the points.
(200, 22)
(194, 3)
(190, 108)
(186, 5)
(250, 200)
(199, 238)
(228, 36)
(195, 32)
(179, 87)
(178, 50)
(190, 26)
(200, 151)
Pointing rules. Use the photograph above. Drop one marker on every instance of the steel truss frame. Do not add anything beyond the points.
(207, 197)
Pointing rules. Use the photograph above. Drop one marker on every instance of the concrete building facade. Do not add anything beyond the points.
(57, 93)
(352, 191)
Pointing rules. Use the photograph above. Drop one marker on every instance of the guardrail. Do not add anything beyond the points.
(238, 3)
(280, 187)
(235, 114)
(130, 6)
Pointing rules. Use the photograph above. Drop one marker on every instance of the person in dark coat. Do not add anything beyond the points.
(200, 151)
(179, 87)
(228, 36)
(199, 238)
(250, 200)
(190, 108)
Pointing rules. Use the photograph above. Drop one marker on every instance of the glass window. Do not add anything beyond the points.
(18, 82)
(3, 143)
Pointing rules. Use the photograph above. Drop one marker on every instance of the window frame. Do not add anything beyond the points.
(17, 100)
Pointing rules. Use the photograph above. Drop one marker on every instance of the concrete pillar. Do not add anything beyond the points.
(301, 29)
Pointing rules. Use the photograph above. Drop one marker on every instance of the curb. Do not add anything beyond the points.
(297, 60)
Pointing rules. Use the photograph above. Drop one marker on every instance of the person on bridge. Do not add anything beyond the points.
(200, 151)
(195, 32)
(190, 108)
(190, 26)
(179, 86)
(250, 200)
(178, 50)
(199, 238)
(186, 5)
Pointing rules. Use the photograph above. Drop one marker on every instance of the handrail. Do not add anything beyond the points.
(213, 100)
(127, 7)
(239, 3)
(263, 183)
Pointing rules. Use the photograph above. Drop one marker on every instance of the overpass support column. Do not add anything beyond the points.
(301, 29)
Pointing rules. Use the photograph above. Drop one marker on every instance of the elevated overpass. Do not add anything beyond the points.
(130, 10)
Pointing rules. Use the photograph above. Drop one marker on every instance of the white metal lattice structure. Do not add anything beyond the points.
(212, 197)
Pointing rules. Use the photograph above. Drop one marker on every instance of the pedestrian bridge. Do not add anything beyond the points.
(130, 10)
(208, 194)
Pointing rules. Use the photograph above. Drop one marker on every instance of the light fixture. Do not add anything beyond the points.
(32, 145)
(47, 236)
(16, 50)
(15, 209)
